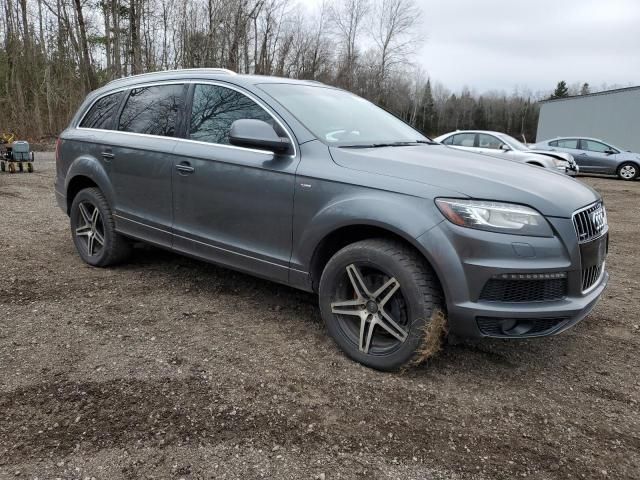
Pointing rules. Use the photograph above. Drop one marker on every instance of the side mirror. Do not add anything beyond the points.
(257, 134)
(505, 148)
(610, 152)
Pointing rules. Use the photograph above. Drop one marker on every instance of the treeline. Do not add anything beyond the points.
(55, 51)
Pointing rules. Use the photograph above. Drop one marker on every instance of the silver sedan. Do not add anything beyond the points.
(596, 156)
(505, 146)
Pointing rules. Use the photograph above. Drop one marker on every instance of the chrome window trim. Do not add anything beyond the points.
(249, 95)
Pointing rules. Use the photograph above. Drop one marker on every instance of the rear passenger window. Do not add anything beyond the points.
(215, 108)
(152, 110)
(101, 114)
(570, 143)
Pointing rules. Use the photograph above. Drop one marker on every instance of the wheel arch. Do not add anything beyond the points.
(635, 163)
(345, 235)
(83, 173)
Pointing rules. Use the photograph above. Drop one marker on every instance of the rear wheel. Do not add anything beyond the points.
(377, 297)
(628, 171)
(93, 230)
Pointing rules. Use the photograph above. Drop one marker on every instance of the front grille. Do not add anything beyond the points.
(522, 327)
(544, 290)
(590, 275)
(590, 222)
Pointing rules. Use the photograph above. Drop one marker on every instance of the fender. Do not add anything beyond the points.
(90, 167)
(405, 216)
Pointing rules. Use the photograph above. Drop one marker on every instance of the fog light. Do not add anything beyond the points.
(508, 324)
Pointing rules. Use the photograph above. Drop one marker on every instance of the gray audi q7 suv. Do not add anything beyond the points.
(316, 188)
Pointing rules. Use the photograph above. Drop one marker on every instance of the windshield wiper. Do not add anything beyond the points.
(390, 144)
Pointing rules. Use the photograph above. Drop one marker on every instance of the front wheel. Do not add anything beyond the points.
(377, 298)
(93, 230)
(628, 171)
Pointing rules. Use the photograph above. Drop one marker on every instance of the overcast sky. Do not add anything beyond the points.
(503, 44)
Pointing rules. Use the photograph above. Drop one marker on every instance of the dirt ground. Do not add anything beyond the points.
(171, 368)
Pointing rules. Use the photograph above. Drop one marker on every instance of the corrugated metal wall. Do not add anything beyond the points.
(613, 117)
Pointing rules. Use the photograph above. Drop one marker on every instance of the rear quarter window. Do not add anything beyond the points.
(101, 114)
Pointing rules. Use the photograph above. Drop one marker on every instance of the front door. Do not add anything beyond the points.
(232, 205)
(599, 156)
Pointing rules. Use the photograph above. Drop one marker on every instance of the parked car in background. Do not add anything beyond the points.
(314, 187)
(596, 156)
(505, 146)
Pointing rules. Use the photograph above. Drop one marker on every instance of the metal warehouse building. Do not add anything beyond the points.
(613, 116)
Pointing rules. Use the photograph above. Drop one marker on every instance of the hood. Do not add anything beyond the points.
(473, 175)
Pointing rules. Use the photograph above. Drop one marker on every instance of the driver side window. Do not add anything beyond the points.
(489, 141)
(593, 146)
(215, 108)
(463, 140)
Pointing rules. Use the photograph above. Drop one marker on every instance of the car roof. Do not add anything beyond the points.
(221, 74)
(490, 132)
(574, 137)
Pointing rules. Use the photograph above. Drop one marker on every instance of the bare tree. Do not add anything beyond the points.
(393, 29)
(347, 19)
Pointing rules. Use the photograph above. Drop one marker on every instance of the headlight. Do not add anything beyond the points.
(560, 163)
(494, 216)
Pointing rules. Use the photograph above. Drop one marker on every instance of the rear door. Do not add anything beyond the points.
(142, 160)
(571, 145)
(232, 205)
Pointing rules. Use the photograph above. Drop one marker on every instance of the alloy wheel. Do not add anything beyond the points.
(371, 309)
(91, 228)
(628, 172)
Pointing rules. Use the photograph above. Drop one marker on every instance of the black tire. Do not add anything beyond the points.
(411, 306)
(115, 248)
(628, 171)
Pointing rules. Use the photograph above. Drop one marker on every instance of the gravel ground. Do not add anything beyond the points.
(171, 368)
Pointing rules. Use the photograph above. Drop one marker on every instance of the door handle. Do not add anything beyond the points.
(185, 168)
(108, 155)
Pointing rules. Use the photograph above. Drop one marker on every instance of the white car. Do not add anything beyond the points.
(501, 145)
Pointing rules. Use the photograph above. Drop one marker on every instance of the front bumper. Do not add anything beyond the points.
(466, 259)
(570, 169)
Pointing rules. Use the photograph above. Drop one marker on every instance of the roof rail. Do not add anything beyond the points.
(223, 71)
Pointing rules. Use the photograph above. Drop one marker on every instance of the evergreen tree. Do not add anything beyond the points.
(586, 89)
(561, 90)
(426, 111)
(479, 115)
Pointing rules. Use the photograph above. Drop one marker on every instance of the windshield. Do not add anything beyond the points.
(513, 142)
(340, 118)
